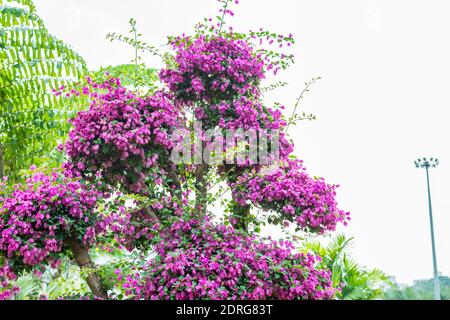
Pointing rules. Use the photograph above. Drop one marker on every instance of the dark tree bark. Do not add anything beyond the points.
(201, 188)
(81, 255)
(240, 213)
(164, 233)
(175, 182)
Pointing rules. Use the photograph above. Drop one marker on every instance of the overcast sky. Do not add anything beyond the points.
(383, 101)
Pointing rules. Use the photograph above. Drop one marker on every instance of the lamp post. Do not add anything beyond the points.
(426, 164)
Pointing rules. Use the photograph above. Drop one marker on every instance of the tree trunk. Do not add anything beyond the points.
(165, 232)
(84, 261)
(175, 184)
(241, 214)
(201, 189)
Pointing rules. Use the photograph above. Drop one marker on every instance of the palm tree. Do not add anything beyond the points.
(353, 281)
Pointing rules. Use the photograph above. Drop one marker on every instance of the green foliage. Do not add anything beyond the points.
(296, 117)
(65, 281)
(135, 75)
(420, 290)
(32, 64)
(118, 259)
(134, 39)
(131, 76)
(355, 281)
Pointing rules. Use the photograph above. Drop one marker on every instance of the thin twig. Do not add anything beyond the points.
(305, 89)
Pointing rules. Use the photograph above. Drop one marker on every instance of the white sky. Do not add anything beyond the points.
(383, 102)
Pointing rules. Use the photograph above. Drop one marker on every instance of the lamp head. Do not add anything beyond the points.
(426, 163)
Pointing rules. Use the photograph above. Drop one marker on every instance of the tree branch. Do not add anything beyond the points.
(201, 190)
(175, 185)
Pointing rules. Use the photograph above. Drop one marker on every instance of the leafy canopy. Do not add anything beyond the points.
(32, 64)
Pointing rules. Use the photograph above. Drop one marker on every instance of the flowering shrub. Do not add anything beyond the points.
(122, 143)
(122, 136)
(133, 229)
(206, 261)
(212, 69)
(39, 216)
(289, 191)
(7, 289)
(245, 116)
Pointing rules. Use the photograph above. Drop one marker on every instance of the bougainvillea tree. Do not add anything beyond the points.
(123, 186)
(46, 216)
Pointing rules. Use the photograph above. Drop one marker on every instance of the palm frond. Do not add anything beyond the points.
(32, 64)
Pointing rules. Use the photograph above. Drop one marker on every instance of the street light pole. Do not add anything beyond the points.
(427, 164)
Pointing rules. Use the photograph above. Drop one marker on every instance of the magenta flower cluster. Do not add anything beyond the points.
(40, 215)
(290, 192)
(133, 229)
(212, 69)
(244, 113)
(121, 137)
(206, 261)
(220, 76)
(7, 288)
